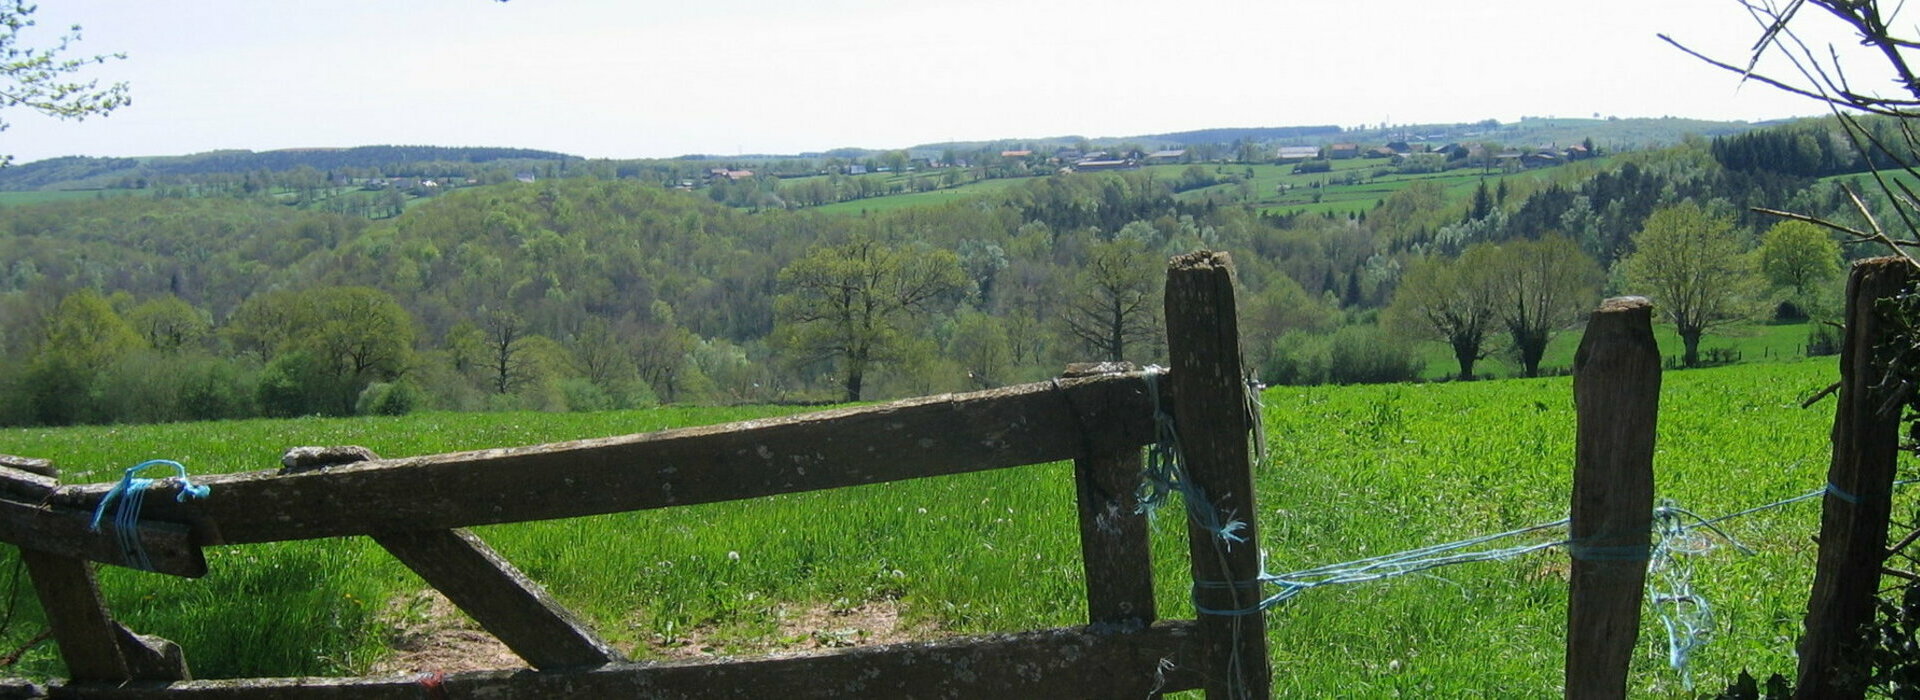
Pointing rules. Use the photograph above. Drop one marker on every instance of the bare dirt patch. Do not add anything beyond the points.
(430, 635)
(801, 629)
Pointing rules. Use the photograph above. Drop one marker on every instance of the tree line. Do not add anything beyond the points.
(592, 292)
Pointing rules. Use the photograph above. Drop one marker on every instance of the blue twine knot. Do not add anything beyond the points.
(130, 494)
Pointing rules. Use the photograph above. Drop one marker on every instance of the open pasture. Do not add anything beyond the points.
(1351, 472)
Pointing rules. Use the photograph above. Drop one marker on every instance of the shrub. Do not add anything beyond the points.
(1298, 358)
(1823, 340)
(383, 399)
(1368, 355)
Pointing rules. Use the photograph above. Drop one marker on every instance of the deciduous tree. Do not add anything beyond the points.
(1799, 256)
(1541, 287)
(1452, 300)
(856, 302)
(1113, 299)
(1691, 264)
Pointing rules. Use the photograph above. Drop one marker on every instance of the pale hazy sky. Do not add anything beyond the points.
(643, 78)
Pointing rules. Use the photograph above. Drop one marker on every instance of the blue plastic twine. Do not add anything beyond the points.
(1166, 474)
(131, 494)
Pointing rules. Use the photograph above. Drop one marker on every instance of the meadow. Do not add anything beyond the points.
(1350, 472)
(1749, 341)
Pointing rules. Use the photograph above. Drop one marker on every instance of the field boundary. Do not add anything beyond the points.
(1099, 416)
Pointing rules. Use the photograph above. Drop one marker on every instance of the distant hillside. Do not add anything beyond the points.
(75, 171)
(1256, 134)
(487, 165)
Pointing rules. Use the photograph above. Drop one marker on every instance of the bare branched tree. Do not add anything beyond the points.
(1823, 77)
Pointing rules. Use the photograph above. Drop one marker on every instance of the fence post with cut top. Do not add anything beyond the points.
(1210, 414)
(1616, 394)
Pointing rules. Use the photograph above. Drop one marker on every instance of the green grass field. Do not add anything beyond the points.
(1352, 472)
(917, 199)
(1754, 342)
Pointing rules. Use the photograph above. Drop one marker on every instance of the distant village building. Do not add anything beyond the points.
(1087, 166)
(1172, 155)
(1340, 151)
(1299, 152)
(1015, 154)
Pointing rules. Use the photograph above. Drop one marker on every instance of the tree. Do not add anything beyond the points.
(1452, 300)
(1799, 256)
(42, 79)
(856, 302)
(509, 366)
(980, 345)
(1539, 288)
(1691, 265)
(1111, 304)
(169, 323)
(81, 339)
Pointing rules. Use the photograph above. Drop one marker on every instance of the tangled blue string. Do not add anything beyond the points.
(130, 494)
(1678, 534)
(1385, 566)
(1166, 474)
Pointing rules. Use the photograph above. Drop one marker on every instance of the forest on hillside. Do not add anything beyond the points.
(602, 287)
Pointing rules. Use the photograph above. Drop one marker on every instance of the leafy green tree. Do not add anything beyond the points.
(981, 348)
(43, 78)
(857, 302)
(660, 356)
(1799, 257)
(1691, 264)
(86, 331)
(169, 323)
(83, 337)
(362, 333)
(324, 346)
(265, 324)
(1452, 300)
(1540, 288)
(1283, 307)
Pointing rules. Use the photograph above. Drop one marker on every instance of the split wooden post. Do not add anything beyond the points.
(1113, 534)
(1853, 517)
(1210, 414)
(1616, 393)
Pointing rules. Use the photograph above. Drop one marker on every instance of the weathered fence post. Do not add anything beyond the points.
(1210, 415)
(1616, 392)
(1853, 517)
(1113, 536)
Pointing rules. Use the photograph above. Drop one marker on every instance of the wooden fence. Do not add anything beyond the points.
(1616, 389)
(1098, 416)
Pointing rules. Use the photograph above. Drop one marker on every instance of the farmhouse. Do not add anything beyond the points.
(1343, 150)
(1167, 156)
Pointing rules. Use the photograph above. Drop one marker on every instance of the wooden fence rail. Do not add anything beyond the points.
(1098, 416)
